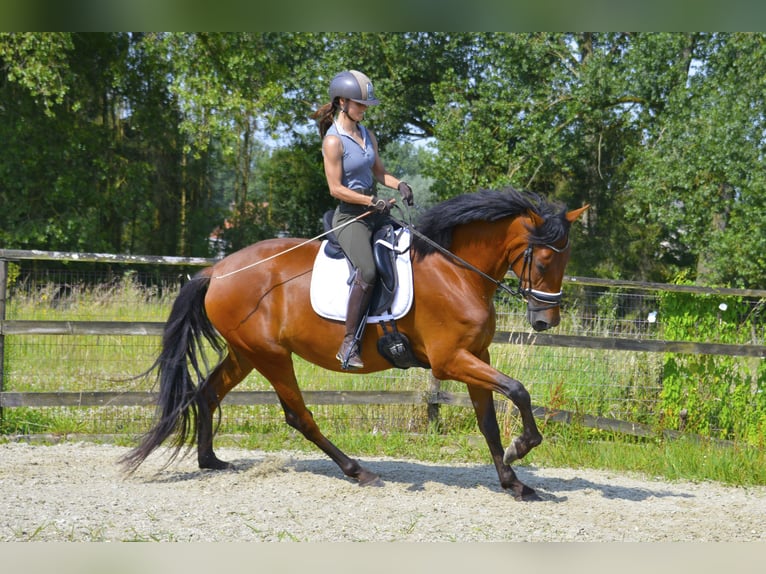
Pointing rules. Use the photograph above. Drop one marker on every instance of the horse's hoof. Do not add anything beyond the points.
(367, 478)
(215, 463)
(526, 494)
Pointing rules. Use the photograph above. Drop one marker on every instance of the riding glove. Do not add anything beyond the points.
(380, 205)
(406, 191)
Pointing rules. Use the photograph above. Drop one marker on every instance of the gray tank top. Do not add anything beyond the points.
(357, 161)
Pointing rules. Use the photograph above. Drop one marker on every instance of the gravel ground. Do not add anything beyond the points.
(76, 492)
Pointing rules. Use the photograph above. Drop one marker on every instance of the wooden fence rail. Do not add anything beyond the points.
(248, 398)
(510, 337)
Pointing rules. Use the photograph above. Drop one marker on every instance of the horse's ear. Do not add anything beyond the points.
(575, 213)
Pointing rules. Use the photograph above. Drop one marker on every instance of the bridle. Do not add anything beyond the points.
(548, 300)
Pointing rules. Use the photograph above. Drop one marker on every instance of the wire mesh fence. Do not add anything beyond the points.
(624, 385)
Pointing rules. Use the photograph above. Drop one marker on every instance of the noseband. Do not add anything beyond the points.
(548, 300)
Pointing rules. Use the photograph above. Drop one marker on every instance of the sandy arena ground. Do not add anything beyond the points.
(76, 492)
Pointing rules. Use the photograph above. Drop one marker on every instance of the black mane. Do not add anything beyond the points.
(488, 205)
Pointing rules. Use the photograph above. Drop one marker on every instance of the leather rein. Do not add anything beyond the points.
(548, 300)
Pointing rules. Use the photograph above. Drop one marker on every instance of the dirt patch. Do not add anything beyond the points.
(76, 492)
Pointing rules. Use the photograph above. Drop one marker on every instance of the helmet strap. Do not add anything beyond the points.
(344, 109)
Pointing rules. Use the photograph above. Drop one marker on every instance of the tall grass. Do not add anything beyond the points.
(622, 385)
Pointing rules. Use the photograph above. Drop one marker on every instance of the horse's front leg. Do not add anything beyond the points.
(482, 380)
(530, 436)
(486, 416)
(278, 368)
(303, 421)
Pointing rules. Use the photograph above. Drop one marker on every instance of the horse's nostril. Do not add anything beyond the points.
(540, 325)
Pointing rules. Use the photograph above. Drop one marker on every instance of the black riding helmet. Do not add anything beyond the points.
(355, 86)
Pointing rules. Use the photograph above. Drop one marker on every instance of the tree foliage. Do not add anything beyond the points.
(148, 143)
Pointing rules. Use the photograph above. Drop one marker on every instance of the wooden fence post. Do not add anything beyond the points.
(3, 291)
(434, 422)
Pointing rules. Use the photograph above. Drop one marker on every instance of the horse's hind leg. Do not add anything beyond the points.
(486, 416)
(278, 369)
(227, 375)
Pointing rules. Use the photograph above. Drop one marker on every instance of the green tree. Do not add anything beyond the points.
(160, 137)
(700, 174)
(57, 175)
(530, 112)
(98, 163)
(661, 133)
(230, 90)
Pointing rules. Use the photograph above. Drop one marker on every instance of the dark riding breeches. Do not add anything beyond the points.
(356, 241)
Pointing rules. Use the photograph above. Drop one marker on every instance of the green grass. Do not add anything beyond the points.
(564, 446)
(687, 458)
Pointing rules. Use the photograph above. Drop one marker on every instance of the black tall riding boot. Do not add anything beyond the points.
(358, 302)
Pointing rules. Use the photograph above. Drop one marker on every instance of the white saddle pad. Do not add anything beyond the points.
(330, 288)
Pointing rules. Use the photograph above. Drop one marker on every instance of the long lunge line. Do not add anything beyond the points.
(334, 229)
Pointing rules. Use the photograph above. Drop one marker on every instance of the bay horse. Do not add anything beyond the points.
(254, 306)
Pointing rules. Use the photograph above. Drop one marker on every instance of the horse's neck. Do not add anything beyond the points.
(485, 245)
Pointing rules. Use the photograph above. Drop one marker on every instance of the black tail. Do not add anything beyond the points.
(186, 330)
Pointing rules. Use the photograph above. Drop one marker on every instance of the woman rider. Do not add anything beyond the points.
(352, 166)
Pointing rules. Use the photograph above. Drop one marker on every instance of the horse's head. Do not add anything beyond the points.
(540, 268)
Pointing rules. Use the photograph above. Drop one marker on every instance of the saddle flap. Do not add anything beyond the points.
(384, 253)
